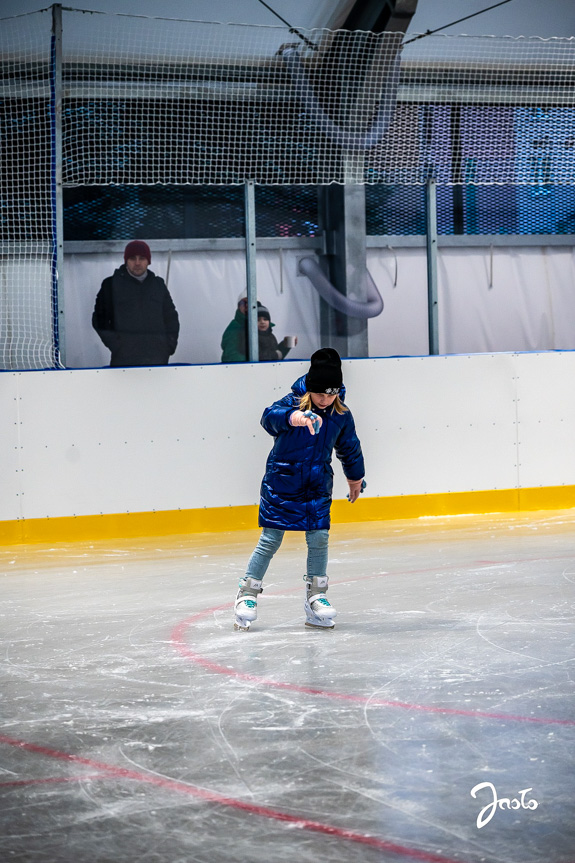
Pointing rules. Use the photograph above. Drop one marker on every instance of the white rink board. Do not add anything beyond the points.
(436, 424)
(138, 440)
(10, 452)
(546, 400)
(95, 441)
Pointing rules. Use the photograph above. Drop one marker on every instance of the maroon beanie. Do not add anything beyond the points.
(137, 247)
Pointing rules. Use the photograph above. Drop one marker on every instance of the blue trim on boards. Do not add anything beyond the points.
(284, 362)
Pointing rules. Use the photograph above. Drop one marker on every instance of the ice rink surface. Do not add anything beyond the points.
(136, 725)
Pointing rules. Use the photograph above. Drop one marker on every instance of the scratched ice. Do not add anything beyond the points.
(135, 725)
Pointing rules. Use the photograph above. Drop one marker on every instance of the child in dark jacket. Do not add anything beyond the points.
(296, 492)
(268, 346)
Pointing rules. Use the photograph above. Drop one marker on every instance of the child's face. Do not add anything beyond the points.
(322, 400)
(263, 324)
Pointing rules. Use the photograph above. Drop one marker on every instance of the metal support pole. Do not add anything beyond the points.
(457, 170)
(250, 218)
(431, 242)
(342, 216)
(57, 191)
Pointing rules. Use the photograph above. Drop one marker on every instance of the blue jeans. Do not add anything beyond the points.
(271, 539)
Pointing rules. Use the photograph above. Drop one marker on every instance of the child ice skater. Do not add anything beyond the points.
(307, 425)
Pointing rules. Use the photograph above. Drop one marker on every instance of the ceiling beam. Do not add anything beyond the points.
(380, 15)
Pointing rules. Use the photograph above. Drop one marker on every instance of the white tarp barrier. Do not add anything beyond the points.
(204, 287)
(508, 299)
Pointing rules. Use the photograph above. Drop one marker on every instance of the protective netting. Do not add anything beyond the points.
(160, 101)
(27, 251)
(148, 102)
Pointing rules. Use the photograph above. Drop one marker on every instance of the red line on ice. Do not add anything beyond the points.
(179, 642)
(50, 780)
(112, 771)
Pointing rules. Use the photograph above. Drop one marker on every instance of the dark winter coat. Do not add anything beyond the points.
(297, 487)
(235, 340)
(137, 321)
(269, 349)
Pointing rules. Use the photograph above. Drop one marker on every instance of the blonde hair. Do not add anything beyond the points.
(306, 404)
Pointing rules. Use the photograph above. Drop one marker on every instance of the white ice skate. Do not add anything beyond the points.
(318, 611)
(246, 605)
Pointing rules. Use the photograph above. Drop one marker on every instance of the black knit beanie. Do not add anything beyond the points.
(325, 375)
(263, 312)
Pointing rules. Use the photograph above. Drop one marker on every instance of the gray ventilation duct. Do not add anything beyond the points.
(371, 309)
(345, 139)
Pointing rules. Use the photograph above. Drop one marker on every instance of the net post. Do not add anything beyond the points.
(344, 259)
(57, 190)
(250, 221)
(431, 245)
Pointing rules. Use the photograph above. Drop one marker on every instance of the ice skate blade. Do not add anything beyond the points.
(238, 627)
(320, 625)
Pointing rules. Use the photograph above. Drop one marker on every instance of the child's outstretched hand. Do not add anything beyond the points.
(316, 420)
(309, 419)
(355, 489)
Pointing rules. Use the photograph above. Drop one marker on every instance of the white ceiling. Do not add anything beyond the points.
(517, 17)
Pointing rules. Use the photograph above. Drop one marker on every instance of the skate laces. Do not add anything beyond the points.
(249, 601)
(322, 599)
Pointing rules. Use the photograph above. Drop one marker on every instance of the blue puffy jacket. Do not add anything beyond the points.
(297, 487)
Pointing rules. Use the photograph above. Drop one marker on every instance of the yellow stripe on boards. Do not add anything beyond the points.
(227, 518)
(454, 503)
(128, 524)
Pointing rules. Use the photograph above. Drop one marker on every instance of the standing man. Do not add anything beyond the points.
(134, 313)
